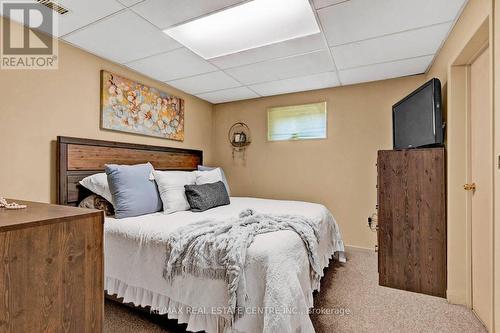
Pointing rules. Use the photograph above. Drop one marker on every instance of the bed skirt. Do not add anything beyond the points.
(184, 314)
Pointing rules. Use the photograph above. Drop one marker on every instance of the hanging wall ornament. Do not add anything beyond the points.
(239, 137)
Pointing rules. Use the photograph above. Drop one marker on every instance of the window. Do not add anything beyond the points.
(297, 122)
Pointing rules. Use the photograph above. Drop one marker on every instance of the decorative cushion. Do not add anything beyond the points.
(98, 184)
(208, 177)
(95, 201)
(206, 196)
(133, 189)
(171, 188)
(223, 175)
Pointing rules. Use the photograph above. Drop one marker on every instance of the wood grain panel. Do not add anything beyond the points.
(412, 220)
(51, 277)
(391, 175)
(74, 187)
(81, 157)
(38, 214)
(78, 158)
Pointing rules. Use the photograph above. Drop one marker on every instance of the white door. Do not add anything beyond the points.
(482, 197)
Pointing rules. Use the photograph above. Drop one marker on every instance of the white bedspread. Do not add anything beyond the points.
(277, 269)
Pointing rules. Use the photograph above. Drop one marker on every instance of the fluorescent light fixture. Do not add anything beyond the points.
(250, 25)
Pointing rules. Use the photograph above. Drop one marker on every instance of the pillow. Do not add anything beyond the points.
(134, 191)
(208, 177)
(206, 196)
(95, 201)
(171, 188)
(98, 184)
(224, 179)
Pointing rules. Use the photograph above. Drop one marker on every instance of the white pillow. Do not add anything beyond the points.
(171, 187)
(207, 177)
(98, 184)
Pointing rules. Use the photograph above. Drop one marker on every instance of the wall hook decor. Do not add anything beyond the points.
(239, 137)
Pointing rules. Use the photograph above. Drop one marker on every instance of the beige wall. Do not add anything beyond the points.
(38, 105)
(338, 172)
(496, 117)
(470, 34)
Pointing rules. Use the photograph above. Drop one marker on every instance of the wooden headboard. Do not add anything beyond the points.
(78, 158)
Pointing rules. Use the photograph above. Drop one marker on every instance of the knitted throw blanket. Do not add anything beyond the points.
(217, 249)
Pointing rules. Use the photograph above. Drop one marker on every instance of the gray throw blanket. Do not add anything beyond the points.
(217, 249)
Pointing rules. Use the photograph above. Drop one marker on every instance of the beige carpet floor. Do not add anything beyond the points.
(350, 301)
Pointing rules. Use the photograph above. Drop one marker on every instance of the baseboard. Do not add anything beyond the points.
(456, 297)
(359, 248)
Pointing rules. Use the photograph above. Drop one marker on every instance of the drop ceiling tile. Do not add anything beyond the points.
(228, 95)
(172, 65)
(165, 13)
(303, 83)
(205, 82)
(306, 64)
(385, 71)
(273, 51)
(318, 4)
(409, 44)
(129, 3)
(123, 37)
(81, 13)
(356, 20)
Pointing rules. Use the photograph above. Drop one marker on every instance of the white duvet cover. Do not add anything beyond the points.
(277, 270)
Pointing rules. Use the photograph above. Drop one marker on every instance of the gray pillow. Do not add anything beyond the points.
(95, 201)
(206, 196)
(133, 190)
(224, 179)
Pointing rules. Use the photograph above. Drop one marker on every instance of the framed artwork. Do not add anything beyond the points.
(129, 106)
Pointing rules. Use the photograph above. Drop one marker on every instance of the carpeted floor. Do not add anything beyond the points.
(355, 302)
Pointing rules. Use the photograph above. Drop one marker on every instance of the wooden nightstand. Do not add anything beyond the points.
(51, 269)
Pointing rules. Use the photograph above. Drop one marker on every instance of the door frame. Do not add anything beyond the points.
(485, 48)
(459, 171)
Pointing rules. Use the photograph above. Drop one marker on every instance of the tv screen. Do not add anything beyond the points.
(417, 119)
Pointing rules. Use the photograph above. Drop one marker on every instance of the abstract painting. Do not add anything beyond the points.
(132, 107)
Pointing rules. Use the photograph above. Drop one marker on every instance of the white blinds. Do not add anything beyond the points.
(297, 122)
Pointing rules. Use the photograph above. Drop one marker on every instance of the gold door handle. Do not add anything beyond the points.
(470, 187)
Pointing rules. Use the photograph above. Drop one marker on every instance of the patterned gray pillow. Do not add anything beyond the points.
(95, 201)
(206, 196)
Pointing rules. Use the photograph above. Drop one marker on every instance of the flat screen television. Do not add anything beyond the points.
(417, 119)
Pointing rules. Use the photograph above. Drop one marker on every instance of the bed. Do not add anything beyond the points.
(277, 271)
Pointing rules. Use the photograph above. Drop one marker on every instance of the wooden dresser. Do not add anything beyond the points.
(412, 220)
(51, 269)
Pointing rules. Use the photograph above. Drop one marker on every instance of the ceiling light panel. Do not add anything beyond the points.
(250, 25)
